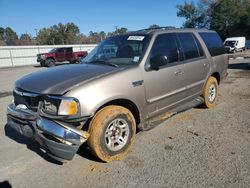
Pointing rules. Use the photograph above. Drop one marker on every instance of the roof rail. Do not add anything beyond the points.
(158, 28)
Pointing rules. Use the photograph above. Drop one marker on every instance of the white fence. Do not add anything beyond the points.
(11, 56)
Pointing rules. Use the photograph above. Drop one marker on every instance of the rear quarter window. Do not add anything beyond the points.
(213, 42)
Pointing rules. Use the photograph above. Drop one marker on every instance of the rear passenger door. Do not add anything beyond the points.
(196, 65)
(68, 54)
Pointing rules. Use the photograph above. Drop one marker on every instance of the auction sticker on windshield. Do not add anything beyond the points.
(139, 38)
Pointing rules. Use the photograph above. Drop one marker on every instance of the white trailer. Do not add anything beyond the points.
(235, 44)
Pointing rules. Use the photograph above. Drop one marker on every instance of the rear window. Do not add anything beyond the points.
(213, 43)
(190, 46)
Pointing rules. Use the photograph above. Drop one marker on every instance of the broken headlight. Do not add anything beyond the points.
(61, 106)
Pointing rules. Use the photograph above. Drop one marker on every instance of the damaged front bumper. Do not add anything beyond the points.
(58, 139)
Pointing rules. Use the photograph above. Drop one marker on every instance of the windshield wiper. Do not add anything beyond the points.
(103, 63)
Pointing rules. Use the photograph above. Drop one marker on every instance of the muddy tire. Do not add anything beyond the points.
(112, 131)
(210, 92)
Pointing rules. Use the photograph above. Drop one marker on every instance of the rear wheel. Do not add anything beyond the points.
(112, 132)
(210, 92)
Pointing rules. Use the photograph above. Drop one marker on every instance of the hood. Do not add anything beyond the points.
(43, 54)
(58, 80)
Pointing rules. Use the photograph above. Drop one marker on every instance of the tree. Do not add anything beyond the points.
(44, 36)
(10, 36)
(227, 17)
(189, 11)
(25, 39)
(231, 17)
(154, 26)
(1, 33)
(71, 33)
(118, 31)
(59, 34)
(2, 42)
(102, 35)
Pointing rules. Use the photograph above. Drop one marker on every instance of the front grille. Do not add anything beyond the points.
(29, 99)
(39, 57)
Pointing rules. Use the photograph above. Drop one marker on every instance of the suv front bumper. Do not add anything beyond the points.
(58, 139)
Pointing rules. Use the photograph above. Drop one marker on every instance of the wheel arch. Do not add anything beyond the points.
(51, 58)
(217, 76)
(126, 103)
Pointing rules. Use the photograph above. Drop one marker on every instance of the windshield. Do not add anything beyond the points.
(53, 50)
(119, 50)
(230, 43)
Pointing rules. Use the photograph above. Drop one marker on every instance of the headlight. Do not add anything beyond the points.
(64, 106)
(68, 107)
(43, 56)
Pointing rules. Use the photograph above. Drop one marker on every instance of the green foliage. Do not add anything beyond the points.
(59, 34)
(153, 26)
(25, 39)
(231, 17)
(227, 17)
(118, 31)
(196, 17)
(8, 36)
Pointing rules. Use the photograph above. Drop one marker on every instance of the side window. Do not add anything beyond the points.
(201, 52)
(68, 50)
(188, 45)
(60, 50)
(165, 45)
(213, 43)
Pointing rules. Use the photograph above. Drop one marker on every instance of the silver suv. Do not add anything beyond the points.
(151, 75)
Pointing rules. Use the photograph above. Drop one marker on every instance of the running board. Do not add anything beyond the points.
(153, 122)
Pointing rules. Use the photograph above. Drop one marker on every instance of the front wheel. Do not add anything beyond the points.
(112, 132)
(42, 64)
(210, 92)
(50, 62)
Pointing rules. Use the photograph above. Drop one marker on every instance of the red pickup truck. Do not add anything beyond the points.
(59, 55)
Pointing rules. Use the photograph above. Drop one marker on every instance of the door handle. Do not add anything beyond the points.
(178, 72)
(206, 64)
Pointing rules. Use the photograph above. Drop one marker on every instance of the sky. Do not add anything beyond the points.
(25, 16)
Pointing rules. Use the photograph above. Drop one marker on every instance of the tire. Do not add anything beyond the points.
(107, 129)
(72, 62)
(210, 92)
(50, 62)
(42, 64)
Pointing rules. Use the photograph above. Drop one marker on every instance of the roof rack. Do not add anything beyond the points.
(158, 28)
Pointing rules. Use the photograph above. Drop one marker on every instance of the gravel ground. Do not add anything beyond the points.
(196, 148)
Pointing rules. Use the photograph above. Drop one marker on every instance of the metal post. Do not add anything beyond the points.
(11, 59)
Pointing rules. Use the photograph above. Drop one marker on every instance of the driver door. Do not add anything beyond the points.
(164, 87)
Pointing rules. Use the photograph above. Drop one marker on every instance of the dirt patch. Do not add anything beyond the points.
(182, 118)
(134, 162)
(168, 147)
(94, 168)
(193, 132)
(242, 74)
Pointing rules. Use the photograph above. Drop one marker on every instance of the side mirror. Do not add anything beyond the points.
(158, 60)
